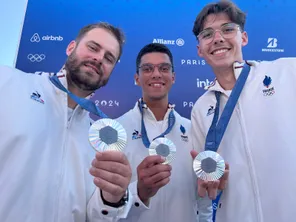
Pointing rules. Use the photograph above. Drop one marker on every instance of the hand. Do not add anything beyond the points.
(112, 173)
(152, 175)
(211, 187)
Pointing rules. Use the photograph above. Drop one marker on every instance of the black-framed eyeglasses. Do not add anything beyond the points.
(148, 68)
(227, 31)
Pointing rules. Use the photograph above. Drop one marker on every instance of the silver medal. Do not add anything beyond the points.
(163, 147)
(209, 166)
(107, 135)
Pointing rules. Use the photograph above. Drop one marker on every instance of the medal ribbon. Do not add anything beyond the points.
(84, 103)
(171, 123)
(217, 130)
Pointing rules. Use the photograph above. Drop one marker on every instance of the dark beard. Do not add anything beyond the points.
(80, 78)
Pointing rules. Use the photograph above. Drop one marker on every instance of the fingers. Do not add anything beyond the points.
(213, 189)
(224, 178)
(108, 187)
(150, 161)
(193, 153)
(149, 172)
(114, 167)
(207, 187)
(113, 156)
(112, 172)
(151, 166)
(202, 187)
(157, 179)
(147, 189)
(152, 175)
(227, 166)
(110, 177)
(162, 183)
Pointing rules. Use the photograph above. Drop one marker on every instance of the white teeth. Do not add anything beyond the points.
(91, 68)
(156, 84)
(220, 51)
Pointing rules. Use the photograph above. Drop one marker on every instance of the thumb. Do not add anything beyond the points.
(193, 153)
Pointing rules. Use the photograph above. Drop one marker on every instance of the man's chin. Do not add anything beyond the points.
(91, 84)
(223, 63)
(156, 97)
(88, 85)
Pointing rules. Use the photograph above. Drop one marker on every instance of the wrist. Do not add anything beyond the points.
(111, 198)
(143, 198)
(114, 201)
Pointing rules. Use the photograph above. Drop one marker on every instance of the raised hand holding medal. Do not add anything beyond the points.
(105, 136)
(155, 170)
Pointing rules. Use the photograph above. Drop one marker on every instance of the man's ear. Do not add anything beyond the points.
(137, 81)
(245, 38)
(199, 51)
(173, 77)
(71, 47)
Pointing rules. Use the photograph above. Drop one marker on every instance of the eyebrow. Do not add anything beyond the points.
(99, 46)
(220, 25)
(162, 63)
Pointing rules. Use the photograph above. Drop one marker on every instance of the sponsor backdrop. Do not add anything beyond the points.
(51, 24)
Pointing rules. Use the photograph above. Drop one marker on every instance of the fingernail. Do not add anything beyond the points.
(96, 180)
(162, 158)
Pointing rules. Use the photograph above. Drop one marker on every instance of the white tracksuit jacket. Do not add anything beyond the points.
(259, 143)
(44, 157)
(175, 202)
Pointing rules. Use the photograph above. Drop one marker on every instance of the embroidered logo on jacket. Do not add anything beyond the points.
(184, 137)
(269, 91)
(136, 135)
(37, 97)
(211, 110)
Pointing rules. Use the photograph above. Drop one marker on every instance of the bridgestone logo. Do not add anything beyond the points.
(273, 50)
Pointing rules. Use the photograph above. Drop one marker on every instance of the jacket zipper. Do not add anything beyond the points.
(68, 124)
(250, 164)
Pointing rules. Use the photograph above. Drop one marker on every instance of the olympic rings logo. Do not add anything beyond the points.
(36, 57)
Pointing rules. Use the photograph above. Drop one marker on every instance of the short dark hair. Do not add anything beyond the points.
(154, 47)
(229, 8)
(118, 34)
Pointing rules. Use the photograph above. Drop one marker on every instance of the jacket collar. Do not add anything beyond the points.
(149, 114)
(237, 68)
(62, 75)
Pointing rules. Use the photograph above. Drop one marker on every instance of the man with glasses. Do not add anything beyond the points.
(162, 190)
(251, 120)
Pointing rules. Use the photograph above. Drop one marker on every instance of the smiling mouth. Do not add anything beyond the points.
(220, 51)
(92, 67)
(156, 85)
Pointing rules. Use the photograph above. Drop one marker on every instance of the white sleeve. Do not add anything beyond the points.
(8, 74)
(138, 207)
(197, 136)
(98, 212)
(204, 209)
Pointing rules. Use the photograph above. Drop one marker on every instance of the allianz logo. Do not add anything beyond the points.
(178, 42)
(36, 38)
